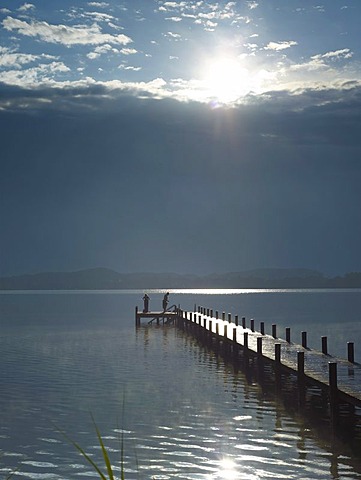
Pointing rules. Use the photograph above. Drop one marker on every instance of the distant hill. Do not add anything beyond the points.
(107, 279)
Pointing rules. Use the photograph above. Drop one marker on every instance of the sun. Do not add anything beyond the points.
(225, 79)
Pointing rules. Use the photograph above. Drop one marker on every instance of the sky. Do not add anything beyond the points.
(180, 136)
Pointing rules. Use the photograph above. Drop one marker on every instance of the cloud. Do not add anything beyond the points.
(208, 24)
(38, 79)
(338, 54)
(26, 7)
(320, 61)
(172, 35)
(319, 8)
(206, 14)
(96, 16)
(98, 4)
(64, 34)
(33, 77)
(252, 5)
(174, 19)
(101, 50)
(257, 160)
(172, 5)
(251, 46)
(16, 60)
(130, 67)
(128, 51)
(280, 45)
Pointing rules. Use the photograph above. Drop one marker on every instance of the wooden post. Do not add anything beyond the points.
(324, 345)
(223, 316)
(288, 335)
(301, 363)
(259, 345)
(243, 322)
(350, 352)
(136, 316)
(234, 346)
(245, 340)
(226, 342)
(217, 334)
(277, 352)
(236, 320)
(235, 335)
(229, 318)
(304, 339)
(332, 376)
(261, 326)
(217, 330)
(217, 314)
(301, 378)
(252, 324)
(274, 330)
(211, 313)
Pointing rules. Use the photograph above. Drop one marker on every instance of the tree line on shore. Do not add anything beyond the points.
(104, 278)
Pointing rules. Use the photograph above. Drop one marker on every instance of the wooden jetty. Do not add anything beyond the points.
(340, 378)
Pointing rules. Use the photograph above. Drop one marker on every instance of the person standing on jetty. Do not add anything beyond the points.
(146, 303)
(165, 301)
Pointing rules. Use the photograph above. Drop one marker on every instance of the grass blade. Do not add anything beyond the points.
(104, 451)
(85, 455)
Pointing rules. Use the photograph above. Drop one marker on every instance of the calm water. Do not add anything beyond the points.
(187, 414)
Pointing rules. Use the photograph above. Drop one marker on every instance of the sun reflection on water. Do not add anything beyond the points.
(227, 470)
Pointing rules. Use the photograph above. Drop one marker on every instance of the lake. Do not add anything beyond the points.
(182, 411)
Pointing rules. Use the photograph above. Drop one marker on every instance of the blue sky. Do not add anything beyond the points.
(185, 50)
(184, 136)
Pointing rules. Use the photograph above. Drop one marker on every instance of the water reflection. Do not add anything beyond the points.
(263, 441)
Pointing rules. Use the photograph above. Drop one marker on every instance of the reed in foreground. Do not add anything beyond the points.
(109, 475)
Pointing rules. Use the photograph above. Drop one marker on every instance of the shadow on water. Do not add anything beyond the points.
(308, 407)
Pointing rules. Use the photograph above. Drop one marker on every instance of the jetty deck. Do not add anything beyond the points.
(331, 373)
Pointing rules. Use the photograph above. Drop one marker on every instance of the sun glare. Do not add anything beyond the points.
(225, 80)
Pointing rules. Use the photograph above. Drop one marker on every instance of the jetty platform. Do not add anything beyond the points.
(166, 316)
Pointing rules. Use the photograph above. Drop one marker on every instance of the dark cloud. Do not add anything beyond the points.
(160, 185)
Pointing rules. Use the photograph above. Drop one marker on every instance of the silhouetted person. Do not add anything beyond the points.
(146, 303)
(165, 301)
